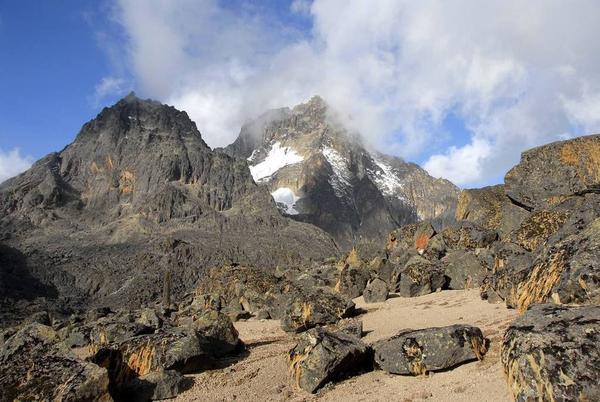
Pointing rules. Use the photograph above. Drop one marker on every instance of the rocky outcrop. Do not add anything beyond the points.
(376, 291)
(136, 198)
(550, 173)
(322, 356)
(418, 352)
(321, 173)
(36, 366)
(551, 353)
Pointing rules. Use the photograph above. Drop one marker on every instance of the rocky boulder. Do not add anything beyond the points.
(552, 172)
(551, 353)
(322, 356)
(463, 269)
(490, 208)
(352, 281)
(36, 366)
(420, 277)
(376, 291)
(418, 352)
(311, 307)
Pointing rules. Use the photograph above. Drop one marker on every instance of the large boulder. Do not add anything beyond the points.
(154, 386)
(308, 308)
(490, 208)
(420, 277)
(508, 266)
(565, 272)
(548, 174)
(535, 230)
(352, 281)
(36, 366)
(376, 291)
(322, 356)
(463, 269)
(432, 349)
(468, 235)
(551, 354)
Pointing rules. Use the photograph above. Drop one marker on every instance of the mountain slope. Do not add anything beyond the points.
(137, 194)
(319, 172)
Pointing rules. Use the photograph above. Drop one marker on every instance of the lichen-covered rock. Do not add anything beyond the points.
(549, 173)
(36, 366)
(537, 228)
(551, 353)
(510, 265)
(216, 333)
(420, 277)
(463, 269)
(311, 307)
(116, 328)
(468, 235)
(490, 208)
(352, 281)
(154, 386)
(376, 291)
(431, 349)
(423, 232)
(322, 356)
(565, 272)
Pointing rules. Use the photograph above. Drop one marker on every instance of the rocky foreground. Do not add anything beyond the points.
(529, 247)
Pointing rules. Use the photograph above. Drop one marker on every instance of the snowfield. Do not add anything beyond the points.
(340, 181)
(277, 158)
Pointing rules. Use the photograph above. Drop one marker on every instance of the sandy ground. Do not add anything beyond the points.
(262, 373)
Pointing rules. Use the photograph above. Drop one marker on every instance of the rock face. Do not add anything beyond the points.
(551, 353)
(321, 173)
(431, 349)
(35, 366)
(136, 195)
(322, 356)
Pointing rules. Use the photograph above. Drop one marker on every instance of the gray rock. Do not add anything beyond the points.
(420, 277)
(555, 171)
(551, 353)
(432, 349)
(36, 366)
(322, 356)
(463, 269)
(309, 308)
(376, 291)
(352, 281)
(154, 386)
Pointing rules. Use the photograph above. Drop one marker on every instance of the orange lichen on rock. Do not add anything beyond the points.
(127, 182)
(421, 242)
(544, 276)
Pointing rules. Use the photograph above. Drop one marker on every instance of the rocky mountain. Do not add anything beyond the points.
(138, 196)
(319, 172)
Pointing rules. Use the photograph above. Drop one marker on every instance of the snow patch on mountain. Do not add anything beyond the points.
(277, 158)
(340, 180)
(387, 181)
(285, 197)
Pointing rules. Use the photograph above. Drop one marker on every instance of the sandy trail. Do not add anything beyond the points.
(262, 374)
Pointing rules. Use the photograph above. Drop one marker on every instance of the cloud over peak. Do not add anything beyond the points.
(515, 73)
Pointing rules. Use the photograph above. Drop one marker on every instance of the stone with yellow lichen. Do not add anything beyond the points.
(551, 354)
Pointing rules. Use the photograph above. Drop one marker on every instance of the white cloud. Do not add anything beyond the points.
(12, 163)
(108, 86)
(517, 73)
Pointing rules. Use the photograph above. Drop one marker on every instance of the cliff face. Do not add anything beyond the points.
(321, 173)
(139, 192)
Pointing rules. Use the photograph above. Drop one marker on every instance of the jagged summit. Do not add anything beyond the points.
(320, 172)
(137, 192)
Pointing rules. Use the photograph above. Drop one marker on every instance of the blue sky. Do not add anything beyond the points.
(461, 89)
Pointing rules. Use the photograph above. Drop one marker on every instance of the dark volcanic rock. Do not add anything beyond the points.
(551, 353)
(418, 352)
(490, 208)
(352, 281)
(420, 277)
(463, 269)
(138, 197)
(309, 308)
(565, 272)
(154, 386)
(322, 356)
(376, 291)
(35, 366)
(552, 172)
